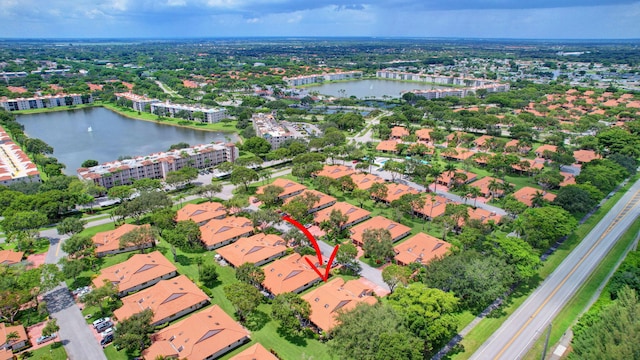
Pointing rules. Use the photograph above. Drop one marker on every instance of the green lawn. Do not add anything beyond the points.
(54, 351)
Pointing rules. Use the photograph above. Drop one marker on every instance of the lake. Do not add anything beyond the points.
(112, 135)
(363, 89)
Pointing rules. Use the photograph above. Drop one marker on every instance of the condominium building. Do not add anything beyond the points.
(312, 79)
(211, 115)
(139, 102)
(267, 127)
(47, 101)
(15, 165)
(157, 165)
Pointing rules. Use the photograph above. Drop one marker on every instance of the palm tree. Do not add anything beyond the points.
(475, 192)
(494, 186)
(537, 200)
(436, 171)
(11, 337)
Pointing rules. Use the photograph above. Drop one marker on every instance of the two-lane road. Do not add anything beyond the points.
(529, 321)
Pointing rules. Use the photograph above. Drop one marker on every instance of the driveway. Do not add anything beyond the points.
(74, 333)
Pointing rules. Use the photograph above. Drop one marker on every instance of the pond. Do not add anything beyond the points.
(370, 89)
(103, 135)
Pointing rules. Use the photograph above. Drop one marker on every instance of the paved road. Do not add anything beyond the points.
(76, 337)
(514, 338)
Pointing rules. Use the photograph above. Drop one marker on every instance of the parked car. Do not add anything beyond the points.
(45, 338)
(100, 321)
(108, 332)
(104, 326)
(106, 340)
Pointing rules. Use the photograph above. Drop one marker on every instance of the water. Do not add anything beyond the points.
(111, 136)
(365, 89)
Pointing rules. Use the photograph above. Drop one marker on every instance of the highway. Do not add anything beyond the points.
(518, 333)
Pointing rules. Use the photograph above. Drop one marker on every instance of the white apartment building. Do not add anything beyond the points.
(311, 79)
(267, 127)
(157, 165)
(211, 115)
(41, 102)
(15, 165)
(139, 102)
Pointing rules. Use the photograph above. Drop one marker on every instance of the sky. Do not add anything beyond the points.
(521, 19)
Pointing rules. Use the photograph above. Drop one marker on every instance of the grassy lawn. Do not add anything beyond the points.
(489, 325)
(578, 303)
(54, 351)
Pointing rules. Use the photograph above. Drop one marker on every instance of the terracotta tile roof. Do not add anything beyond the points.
(201, 335)
(364, 181)
(10, 257)
(633, 104)
(540, 150)
(533, 164)
(420, 248)
(201, 213)
(289, 274)
(525, 195)
(439, 206)
(8, 329)
(395, 191)
(6, 354)
(336, 295)
(255, 352)
(354, 213)
(397, 230)
(139, 269)
(166, 298)
(110, 240)
(190, 84)
(398, 132)
(447, 177)
(335, 171)
(569, 179)
(290, 187)
(253, 249)
(482, 140)
(424, 134)
(17, 89)
(483, 215)
(387, 145)
(459, 154)
(483, 185)
(94, 87)
(585, 156)
(611, 103)
(325, 200)
(217, 231)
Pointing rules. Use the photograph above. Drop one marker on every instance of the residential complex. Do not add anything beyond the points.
(110, 242)
(312, 79)
(15, 165)
(46, 101)
(157, 165)
(139, 103)
(267, 127)
(211, 115)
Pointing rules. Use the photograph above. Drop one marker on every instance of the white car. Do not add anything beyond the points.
(108, 332)
(100, 321)
(45, 338)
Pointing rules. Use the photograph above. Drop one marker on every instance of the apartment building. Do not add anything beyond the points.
(157, 165)
(211, 115)
(267, 127)
(315, 78)
(47, 101)
(139, 102)
(15, 165)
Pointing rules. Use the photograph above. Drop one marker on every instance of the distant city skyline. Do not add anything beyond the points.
(518, 19)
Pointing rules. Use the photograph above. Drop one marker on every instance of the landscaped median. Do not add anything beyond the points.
(487, 326)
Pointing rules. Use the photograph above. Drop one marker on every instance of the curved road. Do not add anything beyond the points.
(514, 338)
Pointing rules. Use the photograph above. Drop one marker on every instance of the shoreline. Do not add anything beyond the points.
(127, 114)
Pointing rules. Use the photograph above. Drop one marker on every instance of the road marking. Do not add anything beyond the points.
(621, 215)
(58, 247)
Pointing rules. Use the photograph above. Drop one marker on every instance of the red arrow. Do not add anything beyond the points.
(314, 242)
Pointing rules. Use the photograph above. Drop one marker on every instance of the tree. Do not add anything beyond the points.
(120, 193)
(245, 298)
(256, 145)
(51, 327)
(208, 274)
(270, 195)
(347, 256)
(78, 246)
(428, 313)
(393, 275)
(137, 238)
(71, 268)
(336, 224)
(518, 253)
(71, 226)
(104, 295)
(549, 179)
(11, 338)
(208, 191)
(133, 334)
(182, 177)
(377, 244)
(10, 303)
(379, 191)
(361, 196)
(612, 333)
(164, 219)
(146, 184)
(540, 227)
(243, 175)
(373, 332)
(185, 235)
(291, 311)
(23, 225)
(89, 163)
(250, 273)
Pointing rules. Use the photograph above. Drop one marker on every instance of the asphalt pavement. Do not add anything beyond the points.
(518, 333)
(74, 332)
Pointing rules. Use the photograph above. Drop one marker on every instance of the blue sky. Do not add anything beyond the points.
(549, 19)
